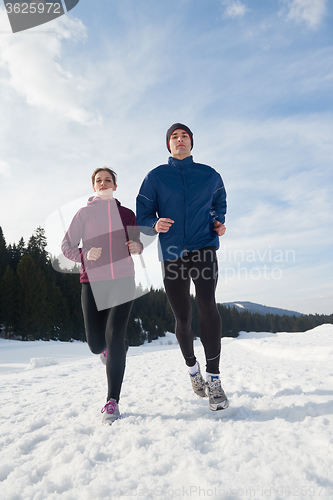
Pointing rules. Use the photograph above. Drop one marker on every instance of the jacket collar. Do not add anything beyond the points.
(186, 162)
(96, 199)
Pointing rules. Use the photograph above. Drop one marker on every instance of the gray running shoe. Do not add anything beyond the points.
(111, 412)
(198, 384)
(217, 398)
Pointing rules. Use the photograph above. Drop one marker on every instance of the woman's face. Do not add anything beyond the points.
(104, 185)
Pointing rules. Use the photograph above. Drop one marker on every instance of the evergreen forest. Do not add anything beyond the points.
(39, 303)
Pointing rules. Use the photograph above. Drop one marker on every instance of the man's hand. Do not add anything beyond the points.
(219, 228)
(163, 225)
(94, 253)
(134, 247)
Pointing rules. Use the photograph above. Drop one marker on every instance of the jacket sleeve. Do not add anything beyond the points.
(146, 206)
(133, 232)
(70, 243)
(219, 204)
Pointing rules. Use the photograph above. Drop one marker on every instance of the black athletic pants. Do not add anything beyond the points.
(200, 266)
(106, 329)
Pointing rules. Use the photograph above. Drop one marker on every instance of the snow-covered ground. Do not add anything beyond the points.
(274, 442)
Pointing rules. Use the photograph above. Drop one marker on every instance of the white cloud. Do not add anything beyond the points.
(311, 12)
(31, 66)
(4, 168)
(234, 8)
(278, 178)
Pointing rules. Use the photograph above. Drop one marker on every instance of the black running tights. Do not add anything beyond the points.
(106, 329)
(200, 266)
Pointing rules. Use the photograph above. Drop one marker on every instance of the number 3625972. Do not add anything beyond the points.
(33, 8)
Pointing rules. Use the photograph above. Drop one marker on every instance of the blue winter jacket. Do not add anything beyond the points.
(189, 193)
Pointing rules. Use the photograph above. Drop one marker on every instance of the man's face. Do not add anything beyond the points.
(180, 144)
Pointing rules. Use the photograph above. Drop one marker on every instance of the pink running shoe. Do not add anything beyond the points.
(111, 412)
(103, 356)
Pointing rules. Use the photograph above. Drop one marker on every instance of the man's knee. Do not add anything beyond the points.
(184, 322)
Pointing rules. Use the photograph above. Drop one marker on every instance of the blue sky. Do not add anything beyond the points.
(252, 79)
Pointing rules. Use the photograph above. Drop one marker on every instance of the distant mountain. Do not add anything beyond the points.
(258, 308)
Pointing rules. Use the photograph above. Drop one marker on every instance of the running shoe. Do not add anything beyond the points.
(111, 412)
(217, 398)
(104, 354)
(198, 384)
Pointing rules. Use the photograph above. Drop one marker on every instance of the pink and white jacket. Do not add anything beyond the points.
(102, 224)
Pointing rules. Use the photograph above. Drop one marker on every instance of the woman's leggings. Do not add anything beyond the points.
(106, 329)
(200, 266)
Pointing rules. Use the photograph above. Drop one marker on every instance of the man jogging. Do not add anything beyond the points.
(185, 202)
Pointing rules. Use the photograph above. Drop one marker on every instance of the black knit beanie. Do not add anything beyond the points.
(174, 127)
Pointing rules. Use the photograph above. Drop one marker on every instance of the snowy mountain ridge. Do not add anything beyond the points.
(252, 307)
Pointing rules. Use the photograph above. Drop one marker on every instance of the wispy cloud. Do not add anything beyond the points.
(234, 8)
(310, 12)
(31, 65)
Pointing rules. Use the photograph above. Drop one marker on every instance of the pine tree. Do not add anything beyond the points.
(8, 301)
(58, 314)
(69, 285)
(15, 253)
(135, 334)
(32, 318)
(37, 247)
(4, 257)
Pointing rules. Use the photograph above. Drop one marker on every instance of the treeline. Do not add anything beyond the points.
(37, 302)
(234, 322)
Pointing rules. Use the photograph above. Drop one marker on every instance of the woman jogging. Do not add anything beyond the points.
(109, 235)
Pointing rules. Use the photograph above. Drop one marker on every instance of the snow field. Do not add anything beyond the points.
(274, 441)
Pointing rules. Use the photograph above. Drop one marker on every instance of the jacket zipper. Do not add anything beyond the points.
(185, 208)
(110, 238)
